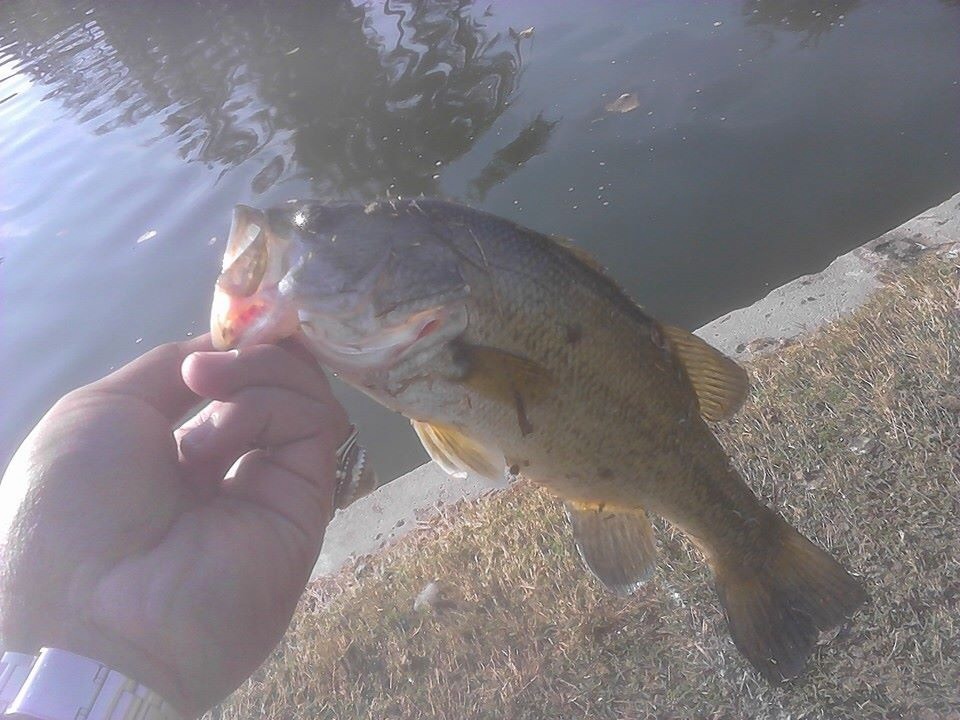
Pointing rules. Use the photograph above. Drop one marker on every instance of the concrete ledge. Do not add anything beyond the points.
(392, 511)
(813, 300)
(787, 312)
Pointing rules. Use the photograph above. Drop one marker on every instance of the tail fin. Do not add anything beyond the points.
(776, 608)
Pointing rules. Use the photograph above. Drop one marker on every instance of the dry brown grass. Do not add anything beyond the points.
(852, 433)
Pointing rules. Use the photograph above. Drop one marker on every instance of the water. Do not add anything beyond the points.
(767, 137)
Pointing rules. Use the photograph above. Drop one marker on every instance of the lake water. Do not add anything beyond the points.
(757, 140)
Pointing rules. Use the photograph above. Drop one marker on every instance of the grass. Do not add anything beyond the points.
(851, 432)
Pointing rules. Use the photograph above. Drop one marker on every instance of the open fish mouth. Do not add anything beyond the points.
(247, 306)
(361, 297)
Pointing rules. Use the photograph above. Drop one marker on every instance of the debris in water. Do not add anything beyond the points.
(623, 104)
(148, 235)
(523, 34)
(268, 176)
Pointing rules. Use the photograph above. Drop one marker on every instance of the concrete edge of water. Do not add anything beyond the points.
(790, 310)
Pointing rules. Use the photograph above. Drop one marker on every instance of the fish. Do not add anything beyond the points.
(512, 351)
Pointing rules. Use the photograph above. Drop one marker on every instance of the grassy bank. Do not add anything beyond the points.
(852, 433)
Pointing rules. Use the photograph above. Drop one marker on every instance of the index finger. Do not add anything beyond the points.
(155, 379)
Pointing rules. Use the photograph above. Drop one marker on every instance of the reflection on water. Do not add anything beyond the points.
(422, 80)
(760, 139)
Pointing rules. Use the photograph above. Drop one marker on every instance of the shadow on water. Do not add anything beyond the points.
(362, 101)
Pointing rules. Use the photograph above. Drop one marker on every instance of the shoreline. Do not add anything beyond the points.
(791, 310)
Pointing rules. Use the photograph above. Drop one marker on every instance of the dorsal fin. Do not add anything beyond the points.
(579, 253)
(721, 385)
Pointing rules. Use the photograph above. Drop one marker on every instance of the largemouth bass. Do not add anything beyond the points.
(511, 349)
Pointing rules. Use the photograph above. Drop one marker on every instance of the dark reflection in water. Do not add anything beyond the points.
(439, 79)
(131, 61)
(359, 100)
(811, 19)
(765, 138)
(531, 141)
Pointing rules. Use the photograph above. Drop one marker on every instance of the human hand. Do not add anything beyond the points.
(120, 539)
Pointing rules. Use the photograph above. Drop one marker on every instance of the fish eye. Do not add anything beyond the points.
(244, 275)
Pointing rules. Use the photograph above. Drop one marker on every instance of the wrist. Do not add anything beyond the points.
(59, 684)
(114, 654)
(67, 625)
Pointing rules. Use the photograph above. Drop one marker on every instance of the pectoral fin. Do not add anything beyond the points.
(721, 385)
(456, 453)
(508, 378)
(615, 544)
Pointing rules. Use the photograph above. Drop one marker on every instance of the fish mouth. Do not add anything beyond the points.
(238, 321)
(360, 307)
(247, 306)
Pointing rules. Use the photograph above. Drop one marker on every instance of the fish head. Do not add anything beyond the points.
(366, 286)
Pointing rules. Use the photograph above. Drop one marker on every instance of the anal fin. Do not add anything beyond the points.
(616, 545)
(456, 453)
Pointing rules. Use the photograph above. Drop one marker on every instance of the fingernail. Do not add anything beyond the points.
(193, 441)
(212, 359)
(217, 355)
